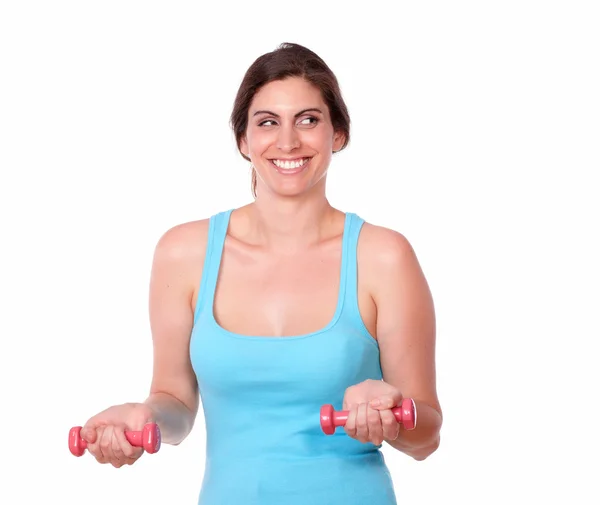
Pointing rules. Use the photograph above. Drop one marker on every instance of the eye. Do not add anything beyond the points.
(264, 123)
(309, 121)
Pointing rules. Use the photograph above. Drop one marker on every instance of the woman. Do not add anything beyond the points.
(268, 311)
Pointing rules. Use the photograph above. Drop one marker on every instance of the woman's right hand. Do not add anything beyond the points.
(105, 433)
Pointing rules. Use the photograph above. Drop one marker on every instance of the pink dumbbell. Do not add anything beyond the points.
(148, 438)
(405, 414)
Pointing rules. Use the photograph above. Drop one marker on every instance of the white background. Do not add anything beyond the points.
(476, 133)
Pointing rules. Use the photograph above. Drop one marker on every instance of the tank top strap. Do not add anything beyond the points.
(217, 232)
(349, 253)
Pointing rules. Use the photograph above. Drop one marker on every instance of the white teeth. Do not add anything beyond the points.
(286, 164)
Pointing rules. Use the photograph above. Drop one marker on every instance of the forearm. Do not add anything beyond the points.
(174, 419)
(425, 438)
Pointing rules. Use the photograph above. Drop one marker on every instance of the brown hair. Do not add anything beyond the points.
(289, 60)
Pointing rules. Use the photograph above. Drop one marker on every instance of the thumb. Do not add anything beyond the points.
(88, 433)
(388, 401)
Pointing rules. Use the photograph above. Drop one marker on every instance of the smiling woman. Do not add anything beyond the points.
(274, 309)
(309, 102)
(290, 136)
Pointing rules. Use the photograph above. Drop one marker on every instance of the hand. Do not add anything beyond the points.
(105, 433)
(370, 418)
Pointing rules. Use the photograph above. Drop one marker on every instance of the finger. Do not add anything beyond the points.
(90, 430)
(105, 444)
(374, 425)
(88, 433)
(387, 402)
(128, 453)
(391, 427)
(350, 426)
(94, 449)
(362, 426)
(118, 457)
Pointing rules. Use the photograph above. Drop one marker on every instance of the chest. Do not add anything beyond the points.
(270, 295)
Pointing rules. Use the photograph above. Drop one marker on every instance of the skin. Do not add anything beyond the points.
(282, 262)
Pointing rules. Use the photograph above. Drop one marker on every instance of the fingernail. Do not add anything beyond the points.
(376, 403)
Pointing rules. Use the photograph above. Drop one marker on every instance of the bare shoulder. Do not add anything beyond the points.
(184, 240)
(396, 282)
(382, 249)
(179, 257)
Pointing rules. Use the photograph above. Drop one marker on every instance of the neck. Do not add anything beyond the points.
(289, 224)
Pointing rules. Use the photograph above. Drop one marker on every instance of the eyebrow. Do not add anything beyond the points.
(304, 111)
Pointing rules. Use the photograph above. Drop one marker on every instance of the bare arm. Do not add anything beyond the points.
(173, 394)
(406, 333)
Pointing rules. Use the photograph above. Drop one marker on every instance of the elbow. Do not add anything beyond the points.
(424, 452)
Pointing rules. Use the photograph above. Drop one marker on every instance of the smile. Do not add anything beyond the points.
(290, 164)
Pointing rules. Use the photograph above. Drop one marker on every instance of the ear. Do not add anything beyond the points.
(244, 146)
(338, 141)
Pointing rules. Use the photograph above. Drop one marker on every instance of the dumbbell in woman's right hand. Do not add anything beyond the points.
(106, 437)
(406, 415)
(148, 439)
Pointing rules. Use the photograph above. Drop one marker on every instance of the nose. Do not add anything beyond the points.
(288, 139)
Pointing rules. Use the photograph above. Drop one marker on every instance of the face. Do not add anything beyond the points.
(290, 137)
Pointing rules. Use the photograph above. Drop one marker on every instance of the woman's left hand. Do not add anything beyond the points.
(370, 418)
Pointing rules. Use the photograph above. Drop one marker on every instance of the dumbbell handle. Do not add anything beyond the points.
(149, 438)
(406, 414)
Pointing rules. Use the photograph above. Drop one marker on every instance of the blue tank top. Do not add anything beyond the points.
(261, 398)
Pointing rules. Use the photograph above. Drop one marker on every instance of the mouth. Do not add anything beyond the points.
(291, 166)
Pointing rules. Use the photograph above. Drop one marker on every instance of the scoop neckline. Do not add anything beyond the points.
(275, 338)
